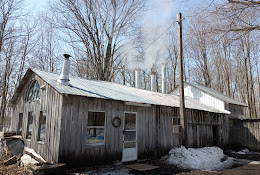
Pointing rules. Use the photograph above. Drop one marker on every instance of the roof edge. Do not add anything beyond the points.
(20, 87)
(238, 102)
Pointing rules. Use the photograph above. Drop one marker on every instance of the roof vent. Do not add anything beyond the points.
(138, 78)
(164, 78)
(153, 81)
(64, 76)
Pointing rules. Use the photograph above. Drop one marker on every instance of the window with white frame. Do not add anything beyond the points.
(96, 128)
(29, 125)
(42, 126)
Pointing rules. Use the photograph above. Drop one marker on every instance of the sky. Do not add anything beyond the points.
(161, 15)
(35, 6)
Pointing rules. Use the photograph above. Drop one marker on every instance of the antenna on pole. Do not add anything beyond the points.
(183, 119)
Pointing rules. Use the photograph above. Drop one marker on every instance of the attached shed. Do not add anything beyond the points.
(92, 121)
(214, 99)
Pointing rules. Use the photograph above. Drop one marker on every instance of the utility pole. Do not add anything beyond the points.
(183, 119)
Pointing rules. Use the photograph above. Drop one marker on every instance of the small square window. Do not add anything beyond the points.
(96, 128)
(176, 121)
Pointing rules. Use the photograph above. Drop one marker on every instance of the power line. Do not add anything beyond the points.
(152, 42)
(74, 60)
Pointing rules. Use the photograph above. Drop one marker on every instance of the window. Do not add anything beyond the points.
(130, 130)
(20, 124)
(176, 124)
(96, 128)
(33, 92)
(29, 125)
(42, 126)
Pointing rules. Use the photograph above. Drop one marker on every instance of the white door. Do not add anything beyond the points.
(130, 137)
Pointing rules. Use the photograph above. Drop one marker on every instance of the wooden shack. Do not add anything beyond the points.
(94, 121)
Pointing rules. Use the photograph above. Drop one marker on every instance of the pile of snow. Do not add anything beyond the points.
(34, 153)
(26, 159)
(207, 158)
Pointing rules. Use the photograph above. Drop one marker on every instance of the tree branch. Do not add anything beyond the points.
(240, 29)
(245, 2)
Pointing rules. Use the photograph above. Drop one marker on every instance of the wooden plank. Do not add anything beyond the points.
(10, 161)
(205, 124)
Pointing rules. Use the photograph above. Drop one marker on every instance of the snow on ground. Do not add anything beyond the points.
(207, 158)
(246, 151)
(243, 151)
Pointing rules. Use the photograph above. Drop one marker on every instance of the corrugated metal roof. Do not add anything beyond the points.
(172, 100)
(217, 94)
(91, 88)
(109, 90)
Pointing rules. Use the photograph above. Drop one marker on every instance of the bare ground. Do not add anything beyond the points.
(11, 169)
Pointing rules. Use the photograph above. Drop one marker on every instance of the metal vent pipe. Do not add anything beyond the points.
(153, 81)
(64, 76)
(164, 78)
(138, 78)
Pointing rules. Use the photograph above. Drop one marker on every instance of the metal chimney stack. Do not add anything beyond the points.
(164, 78)
(138, 78)
(153, 81)
(64, 76)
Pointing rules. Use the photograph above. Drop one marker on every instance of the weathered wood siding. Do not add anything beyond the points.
(201, 128)
(166, 138)
(74, 128)
(51, 102)
(246, 133)
(236, 110)
(154, 129)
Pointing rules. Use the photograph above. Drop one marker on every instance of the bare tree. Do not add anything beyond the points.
(8, 38)
(200, 50)
(46, 54)
(99, 29)
(224, 46)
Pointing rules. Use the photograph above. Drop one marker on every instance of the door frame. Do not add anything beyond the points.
(136, 135)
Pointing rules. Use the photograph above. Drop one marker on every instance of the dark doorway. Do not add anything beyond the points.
(215, 135)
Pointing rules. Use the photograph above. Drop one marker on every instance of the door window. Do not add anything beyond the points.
(130, 131)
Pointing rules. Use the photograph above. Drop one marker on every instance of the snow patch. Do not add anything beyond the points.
(207, 158)
(34, 153)
(243, 151)
(26, 159)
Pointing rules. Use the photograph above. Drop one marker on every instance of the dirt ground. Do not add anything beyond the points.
(11, 169)
(249, 169)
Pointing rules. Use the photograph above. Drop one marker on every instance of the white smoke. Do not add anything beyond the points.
(155, 39)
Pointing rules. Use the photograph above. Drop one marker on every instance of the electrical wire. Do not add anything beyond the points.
(151, 43)
(74, 60)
